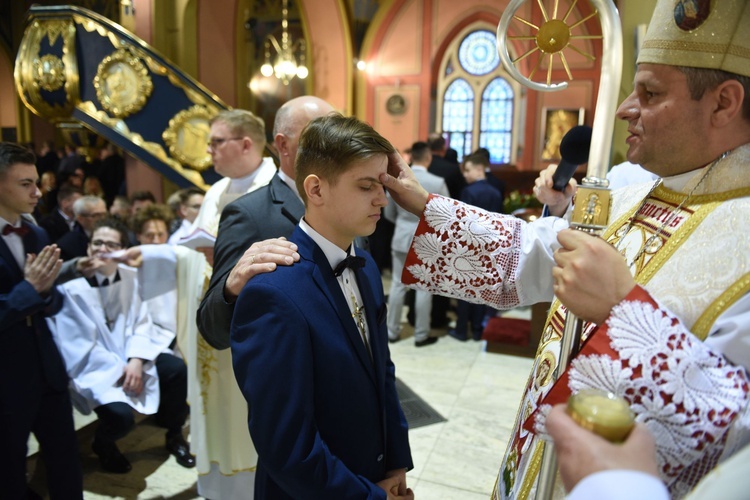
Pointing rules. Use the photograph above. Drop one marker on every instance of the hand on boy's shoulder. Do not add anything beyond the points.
(261, 257)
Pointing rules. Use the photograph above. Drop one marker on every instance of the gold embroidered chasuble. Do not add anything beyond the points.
(697, 266)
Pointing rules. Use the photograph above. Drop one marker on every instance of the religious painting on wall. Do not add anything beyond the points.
(555, 124)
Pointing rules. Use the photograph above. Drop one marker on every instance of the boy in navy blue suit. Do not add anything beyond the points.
(309, 342)
(33, 382)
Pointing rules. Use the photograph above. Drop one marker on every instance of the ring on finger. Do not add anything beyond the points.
(252, 260)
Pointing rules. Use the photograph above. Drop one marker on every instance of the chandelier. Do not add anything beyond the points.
(285, 65)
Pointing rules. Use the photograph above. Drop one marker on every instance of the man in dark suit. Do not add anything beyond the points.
(309, 341)
(112, 172)
(88, 211)
(446, 169)
(33, 382)
(269, 212)
(47, 161)
(61, 220)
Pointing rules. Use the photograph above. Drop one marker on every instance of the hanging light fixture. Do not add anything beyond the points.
(285, 65)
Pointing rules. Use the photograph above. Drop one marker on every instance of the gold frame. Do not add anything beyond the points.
(193, 120)
(555, 124)
(132, 86)
(30, 82)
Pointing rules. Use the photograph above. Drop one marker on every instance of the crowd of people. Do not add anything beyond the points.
(274, 337)
(95, 325)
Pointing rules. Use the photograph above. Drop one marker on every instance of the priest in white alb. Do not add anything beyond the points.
(226, 457)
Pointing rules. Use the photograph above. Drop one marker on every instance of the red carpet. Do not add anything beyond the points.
(508, 331)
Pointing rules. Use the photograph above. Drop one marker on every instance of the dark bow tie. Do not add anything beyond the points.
(105, 282)
(351, 262)
(20, 231)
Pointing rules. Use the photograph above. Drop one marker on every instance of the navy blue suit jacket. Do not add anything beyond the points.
(28, 354)
(324, 418)
(483, 195)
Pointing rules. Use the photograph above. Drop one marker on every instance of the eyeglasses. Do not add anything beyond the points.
(95, 215)
(110, 245)
(217, 142)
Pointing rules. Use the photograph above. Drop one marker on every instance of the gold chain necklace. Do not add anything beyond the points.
(671, 217)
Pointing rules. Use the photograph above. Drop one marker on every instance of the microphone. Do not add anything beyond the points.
(574, 150)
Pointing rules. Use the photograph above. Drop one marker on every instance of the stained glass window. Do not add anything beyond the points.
(458, 115)
(477, 53)
(496, 120)
(478, 103)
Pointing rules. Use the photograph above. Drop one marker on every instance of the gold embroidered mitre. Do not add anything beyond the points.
(712, 34)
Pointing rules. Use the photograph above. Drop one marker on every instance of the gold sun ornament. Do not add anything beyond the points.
(551, 39)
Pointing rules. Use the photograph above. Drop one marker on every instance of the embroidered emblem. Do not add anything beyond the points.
(187, 135)
(690, 14)
(122, 83)
(49, 72)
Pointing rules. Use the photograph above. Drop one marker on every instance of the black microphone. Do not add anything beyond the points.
(574, 150)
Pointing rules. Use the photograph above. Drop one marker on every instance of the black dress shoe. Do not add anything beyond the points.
(177, 446)
(427, 341)
(110, 457)
(453, 333)
(393, 340)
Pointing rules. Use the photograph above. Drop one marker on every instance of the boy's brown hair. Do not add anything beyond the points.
(332, 144)
(476, 159)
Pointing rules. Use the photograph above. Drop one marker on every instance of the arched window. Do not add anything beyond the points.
(458, 115)
(496, 125)
(476, 99)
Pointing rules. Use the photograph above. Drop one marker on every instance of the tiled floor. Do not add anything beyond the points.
(477, 392)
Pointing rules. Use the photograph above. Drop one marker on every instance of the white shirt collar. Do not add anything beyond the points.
(333, 253)
(242, 184)
(289, 182)
(418, 167)
(14, 242)
(101, 277)
(4, 222)
(69, 220)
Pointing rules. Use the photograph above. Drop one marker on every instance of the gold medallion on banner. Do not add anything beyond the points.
(187, 135)
(123, 84)
(49, 72)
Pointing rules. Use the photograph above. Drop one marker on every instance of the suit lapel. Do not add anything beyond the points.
(329, 286)
(31, 244)
(10, 261)
(284, 198)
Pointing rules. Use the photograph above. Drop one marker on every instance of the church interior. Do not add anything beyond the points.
(147, 75)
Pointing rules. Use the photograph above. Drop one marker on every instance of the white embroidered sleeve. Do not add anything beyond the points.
(690, 397)
(471, 254)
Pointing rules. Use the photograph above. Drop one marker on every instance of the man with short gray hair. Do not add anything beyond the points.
(88, 210)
